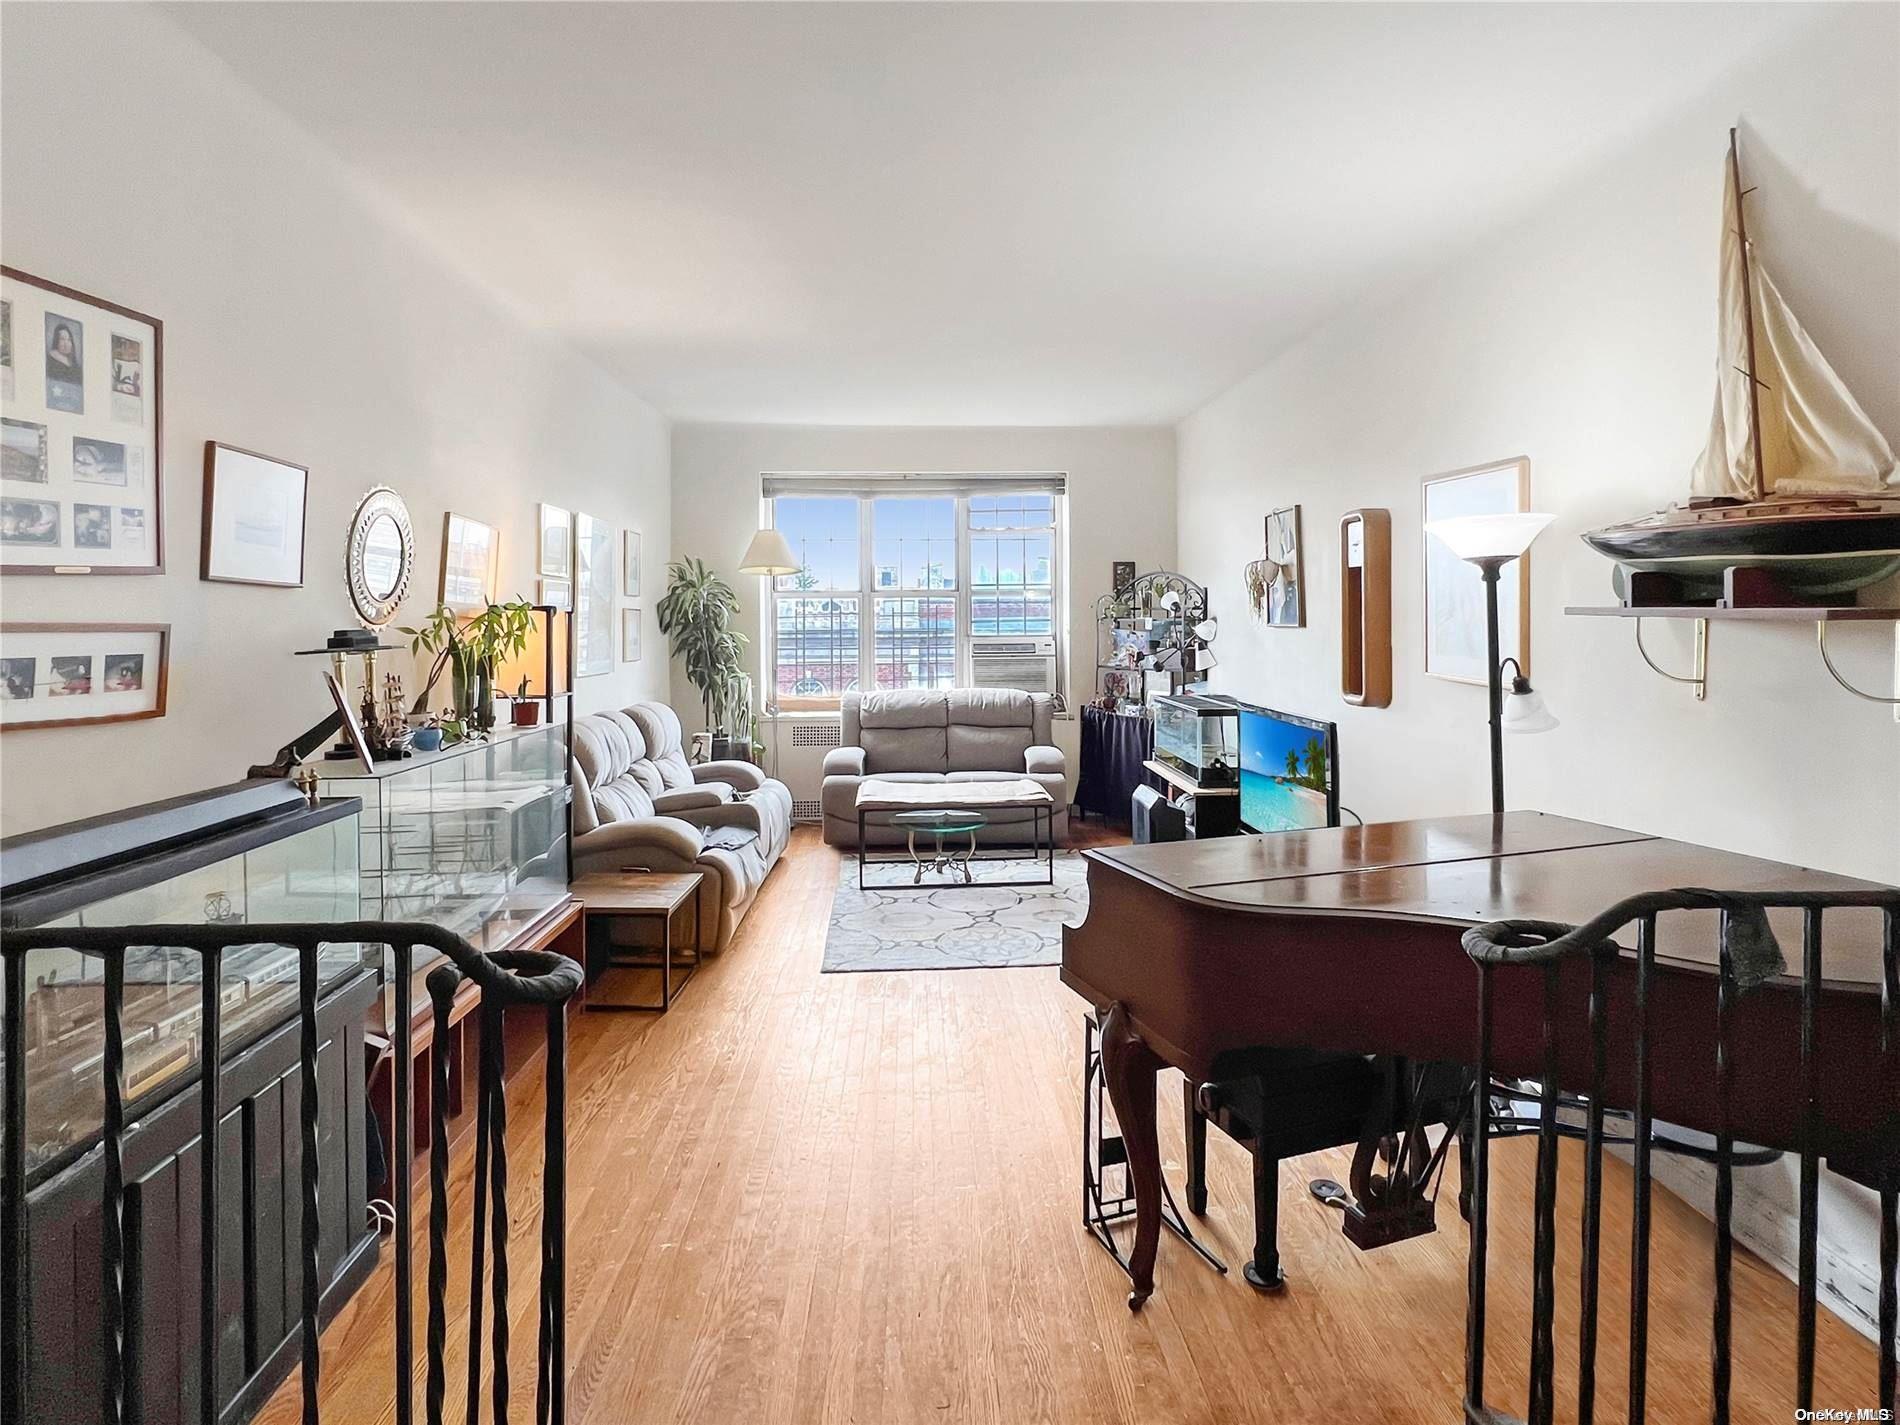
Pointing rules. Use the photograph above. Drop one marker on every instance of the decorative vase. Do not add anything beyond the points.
(459, 687)
(721, 747)
(484, 709)
(427, 739)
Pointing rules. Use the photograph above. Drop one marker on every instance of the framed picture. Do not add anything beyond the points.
(1286, 588)
(253, 518)
(1454, 590)
(630, 564)
(593, 597)
(471, 561)
(1122, 575)
(555, 593)
(630, 635)
(352, 724)
(555, 553)
(81, 432)
(73, 674)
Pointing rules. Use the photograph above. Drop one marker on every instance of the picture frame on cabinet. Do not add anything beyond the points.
(82, 421)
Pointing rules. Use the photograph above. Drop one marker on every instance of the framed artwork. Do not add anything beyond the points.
(630, 564)
(555, 593)
(1454, 590)
(1122, 575)
(593, 597)
(630, 635)
(555, 553)
(75, 674)
(352, 724)
(471, 561)
(253, 518)
(80, 432)
(1285, 605)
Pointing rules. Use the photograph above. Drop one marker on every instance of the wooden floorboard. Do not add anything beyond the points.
(855, 1198)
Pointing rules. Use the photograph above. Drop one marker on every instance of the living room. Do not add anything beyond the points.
(809, 616)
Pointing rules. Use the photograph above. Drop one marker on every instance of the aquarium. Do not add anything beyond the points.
(472, 838)
(1198, 734)
(238, 856)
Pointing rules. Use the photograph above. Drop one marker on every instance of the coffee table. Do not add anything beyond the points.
(633, 895)
(953, 807)
(941, 824)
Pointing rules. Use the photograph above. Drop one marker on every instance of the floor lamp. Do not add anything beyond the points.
(767, 556)
(1491, 542)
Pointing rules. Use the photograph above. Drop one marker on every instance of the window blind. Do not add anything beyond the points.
(860, 484)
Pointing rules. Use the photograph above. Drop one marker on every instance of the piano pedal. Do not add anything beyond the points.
(1367, 1228)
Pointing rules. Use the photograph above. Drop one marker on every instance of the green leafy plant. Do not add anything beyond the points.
(696, 615)
(471, 651)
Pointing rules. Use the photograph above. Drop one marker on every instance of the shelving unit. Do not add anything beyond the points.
(1133, 615)
(1821, 616)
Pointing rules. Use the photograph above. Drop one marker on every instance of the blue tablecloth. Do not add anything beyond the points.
(1114, 745)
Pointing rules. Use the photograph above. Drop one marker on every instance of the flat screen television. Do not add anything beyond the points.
(1289, 771)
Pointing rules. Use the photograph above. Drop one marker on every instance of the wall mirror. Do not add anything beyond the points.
(380, 556)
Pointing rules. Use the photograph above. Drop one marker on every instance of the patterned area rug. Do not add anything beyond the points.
(956, 927)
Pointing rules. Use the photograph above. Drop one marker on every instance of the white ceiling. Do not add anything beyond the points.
(964, 213)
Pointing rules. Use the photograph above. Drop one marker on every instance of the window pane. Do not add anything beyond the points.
(823, 534)
(916, 643)
(817, 647)
(1012, 610)
(914, 544)
(1012, 511)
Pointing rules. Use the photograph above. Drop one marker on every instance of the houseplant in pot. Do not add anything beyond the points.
(696, 615)
(471, 651)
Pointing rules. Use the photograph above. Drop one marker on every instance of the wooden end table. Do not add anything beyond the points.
(632, 895)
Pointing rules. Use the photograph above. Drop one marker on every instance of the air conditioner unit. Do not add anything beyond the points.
(1028, 664)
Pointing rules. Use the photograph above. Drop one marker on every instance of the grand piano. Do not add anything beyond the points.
(1744, 998)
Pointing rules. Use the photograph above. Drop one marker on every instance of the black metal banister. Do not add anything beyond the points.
(507, 979)
(1746, 957)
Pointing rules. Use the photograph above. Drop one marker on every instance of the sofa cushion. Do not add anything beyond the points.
(983, 747)
(906, 749)
(989, 707)
(606, 748)
(909, 707)
(660, 726)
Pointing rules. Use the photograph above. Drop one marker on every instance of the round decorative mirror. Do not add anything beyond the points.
(380, 556)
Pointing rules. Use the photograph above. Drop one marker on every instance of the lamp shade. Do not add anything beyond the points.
(1482, 537)
(1524, 711)
(768, 554)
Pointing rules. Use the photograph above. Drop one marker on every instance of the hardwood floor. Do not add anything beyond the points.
(855, 1198)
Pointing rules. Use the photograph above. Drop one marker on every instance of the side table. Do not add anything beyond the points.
(633, 895)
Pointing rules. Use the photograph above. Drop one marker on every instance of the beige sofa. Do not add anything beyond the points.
(639, 805)
(963, 735)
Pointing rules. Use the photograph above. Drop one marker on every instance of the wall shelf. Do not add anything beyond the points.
(1821, 616)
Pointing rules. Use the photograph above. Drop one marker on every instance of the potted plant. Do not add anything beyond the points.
(428, 736)
(524, 711)
(696, 615)
(471, 651)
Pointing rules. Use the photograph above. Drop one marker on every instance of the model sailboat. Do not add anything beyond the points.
(1795, 482)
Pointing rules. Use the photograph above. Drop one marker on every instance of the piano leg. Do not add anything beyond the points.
(1128, 1068)
(1196, 1125)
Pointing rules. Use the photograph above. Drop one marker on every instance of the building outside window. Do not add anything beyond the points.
(898, 586)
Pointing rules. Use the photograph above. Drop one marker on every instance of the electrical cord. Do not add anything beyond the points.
(1354, 815)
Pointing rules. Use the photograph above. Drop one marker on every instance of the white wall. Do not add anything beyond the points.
(304, 319)
(1121, 504)
(1584, 338)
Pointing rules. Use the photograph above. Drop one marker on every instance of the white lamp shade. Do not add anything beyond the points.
(1525, 712)
(1480, 537)
(768, 554)
(1207, 629)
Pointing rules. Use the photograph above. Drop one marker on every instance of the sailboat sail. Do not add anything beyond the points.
(1815, 438)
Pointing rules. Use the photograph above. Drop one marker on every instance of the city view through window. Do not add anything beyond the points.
(892, 591)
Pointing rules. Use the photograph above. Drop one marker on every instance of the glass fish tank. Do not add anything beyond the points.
(254, 853)
(1198, 734)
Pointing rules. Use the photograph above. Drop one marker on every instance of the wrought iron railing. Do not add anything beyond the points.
(1868, 1152)
(507, 979)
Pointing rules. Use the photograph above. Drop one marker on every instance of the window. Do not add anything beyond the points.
(937, 570)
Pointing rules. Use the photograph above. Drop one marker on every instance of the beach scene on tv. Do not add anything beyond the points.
(1283, 774)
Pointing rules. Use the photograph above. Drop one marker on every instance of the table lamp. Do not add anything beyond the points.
(1491, 542)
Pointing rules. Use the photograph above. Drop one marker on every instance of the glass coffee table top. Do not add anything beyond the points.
(950, 823)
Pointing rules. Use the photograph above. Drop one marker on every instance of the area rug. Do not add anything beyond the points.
(959, 927)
